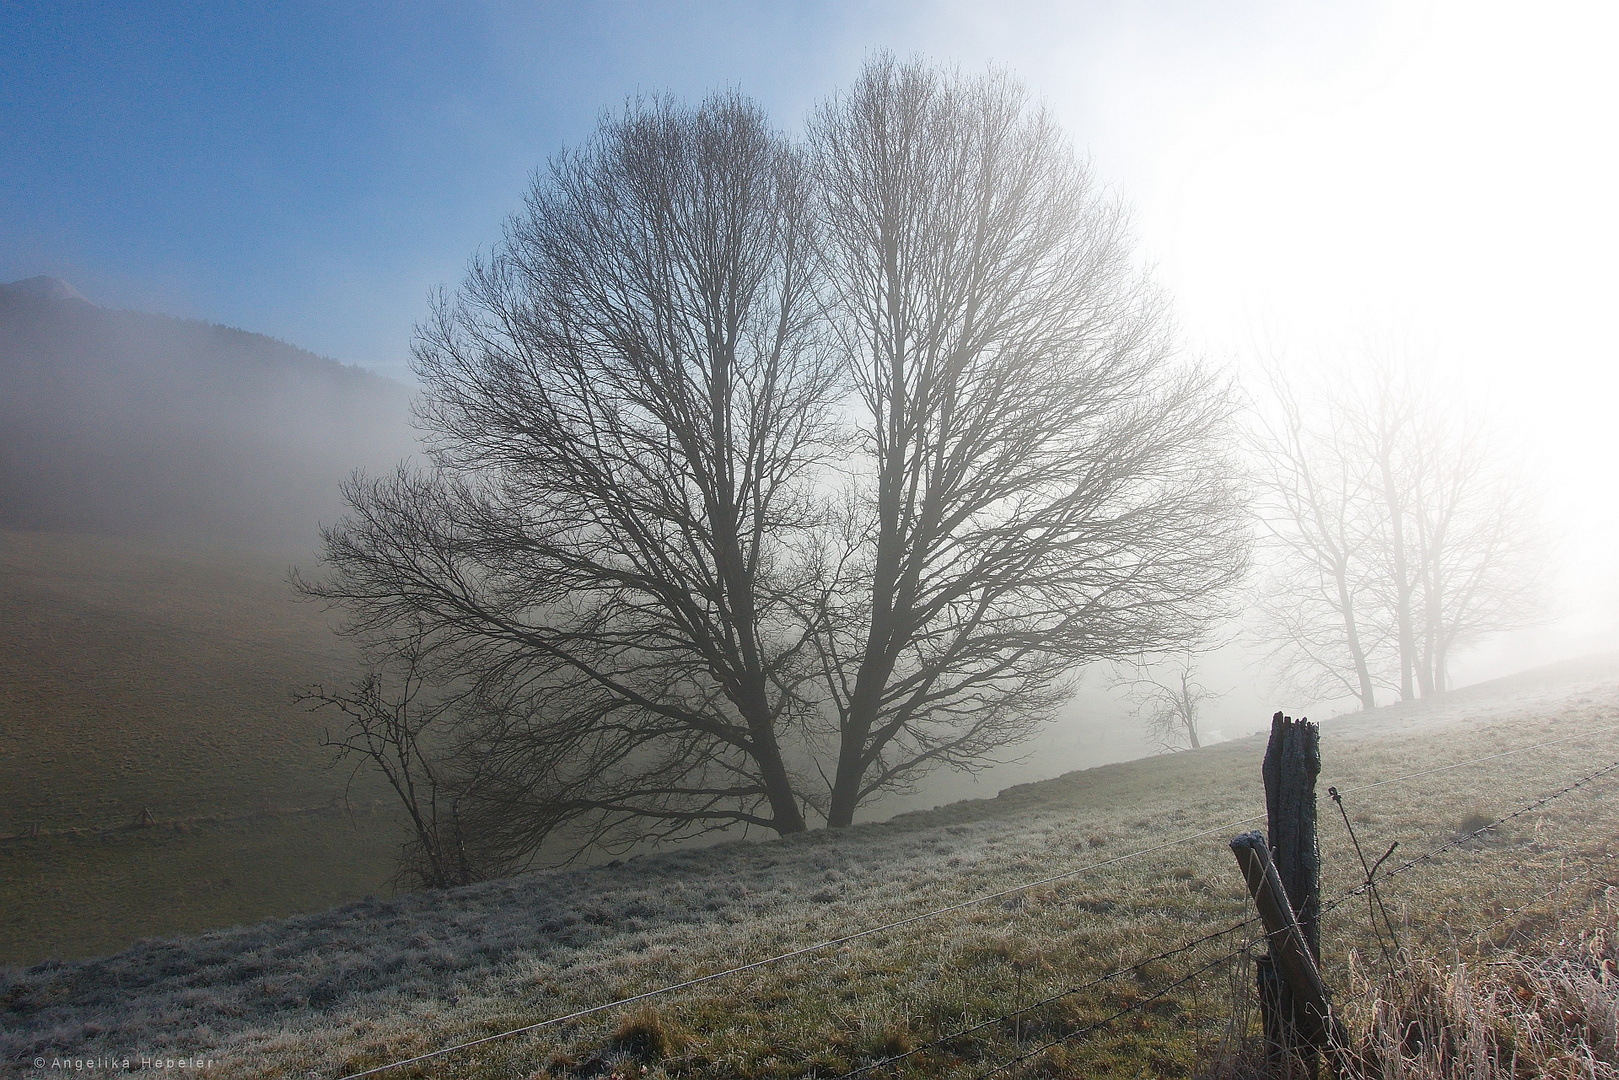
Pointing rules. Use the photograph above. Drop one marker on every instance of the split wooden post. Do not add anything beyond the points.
(1292, 763)
(1288, 948)
(1283, 873)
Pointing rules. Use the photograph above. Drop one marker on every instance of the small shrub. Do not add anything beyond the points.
(648, 1035)
(894, 1038)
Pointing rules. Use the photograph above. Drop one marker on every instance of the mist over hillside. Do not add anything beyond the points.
(130, 423)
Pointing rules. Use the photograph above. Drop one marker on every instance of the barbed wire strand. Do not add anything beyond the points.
(1002, 1018)
(1589, 875)
(909, 920)
(1475, 834)
(1136, 1006)
(973, 1029)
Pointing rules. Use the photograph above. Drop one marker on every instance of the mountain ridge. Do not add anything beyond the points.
(42, 286)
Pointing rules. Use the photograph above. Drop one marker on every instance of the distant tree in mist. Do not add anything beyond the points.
(1168, 697)
(1317, 608)
(1397, 532)
(766, 478)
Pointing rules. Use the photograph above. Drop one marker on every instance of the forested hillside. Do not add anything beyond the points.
(133, 423)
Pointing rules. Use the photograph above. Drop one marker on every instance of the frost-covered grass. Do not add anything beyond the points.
(380, 980)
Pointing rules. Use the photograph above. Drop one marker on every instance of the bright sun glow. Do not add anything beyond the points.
(1455, 191)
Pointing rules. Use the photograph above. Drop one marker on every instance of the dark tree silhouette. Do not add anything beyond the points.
(1169, 698)
(401, 735)
(626, 406)
(1040, 484)
(753, 465)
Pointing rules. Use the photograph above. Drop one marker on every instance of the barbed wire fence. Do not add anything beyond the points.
(1229, 965)
(1327, 907)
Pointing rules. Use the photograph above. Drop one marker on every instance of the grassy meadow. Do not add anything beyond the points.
(362, 985)
(137, 679)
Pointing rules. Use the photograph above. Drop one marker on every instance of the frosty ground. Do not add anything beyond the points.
(385, 979)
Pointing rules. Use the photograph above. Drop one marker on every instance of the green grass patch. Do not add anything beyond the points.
(136, 679)
(89, 895)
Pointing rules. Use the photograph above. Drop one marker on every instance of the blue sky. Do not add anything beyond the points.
(311, 170)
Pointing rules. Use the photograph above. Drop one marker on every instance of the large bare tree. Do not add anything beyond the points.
(752, 464)
(1038, 482)
(626, 406)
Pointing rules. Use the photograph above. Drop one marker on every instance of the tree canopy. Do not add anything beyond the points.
(767, 476)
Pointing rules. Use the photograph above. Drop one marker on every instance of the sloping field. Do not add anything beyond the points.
(1130, 861)
(136, 678)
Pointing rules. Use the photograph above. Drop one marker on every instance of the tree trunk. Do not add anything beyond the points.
(856, 731)
(784, 812)
(1188, 712)
(1433, 658)
(1403, 586)
(1363, 671)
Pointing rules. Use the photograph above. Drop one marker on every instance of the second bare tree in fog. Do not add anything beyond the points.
(1039, 484)
(766, 479)
(1168, 697)
(1397, 533)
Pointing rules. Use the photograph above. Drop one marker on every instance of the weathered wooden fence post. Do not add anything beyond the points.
(1303, 1006)
(1284, 879)
(1292, 763)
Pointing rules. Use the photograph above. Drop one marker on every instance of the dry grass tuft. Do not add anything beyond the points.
(1550, 1010)
(1552, 1013)
(1474, 820)
(649, 1035)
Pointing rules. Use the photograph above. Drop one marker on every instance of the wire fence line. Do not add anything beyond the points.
(1001, 894)
(1465, 838)
(1333, 904)
(1246, 947)
(1051, 999)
